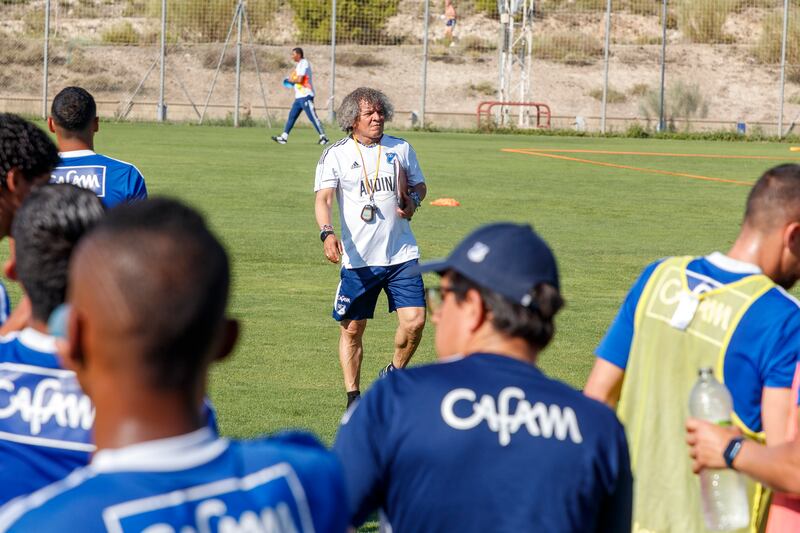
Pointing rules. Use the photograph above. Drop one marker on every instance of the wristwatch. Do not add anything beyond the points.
(732, 450)
(326, 230)
(415, 197)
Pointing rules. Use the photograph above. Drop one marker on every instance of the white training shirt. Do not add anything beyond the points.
(387, 240)
(301, 90)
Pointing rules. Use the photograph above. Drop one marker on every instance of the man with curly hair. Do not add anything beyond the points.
(378, 185)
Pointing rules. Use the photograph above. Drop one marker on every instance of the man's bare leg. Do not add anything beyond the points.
(408, 335)
(351, 352)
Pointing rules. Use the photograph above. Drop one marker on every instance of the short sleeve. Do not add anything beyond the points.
(138, 188)
(616, 345)
(327, 176)
(411, 165)
(360, 445)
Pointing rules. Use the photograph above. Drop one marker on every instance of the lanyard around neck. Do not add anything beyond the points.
(367, 187)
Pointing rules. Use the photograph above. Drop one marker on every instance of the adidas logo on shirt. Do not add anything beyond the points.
(355, 165)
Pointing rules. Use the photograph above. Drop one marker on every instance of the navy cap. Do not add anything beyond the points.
(509, 259)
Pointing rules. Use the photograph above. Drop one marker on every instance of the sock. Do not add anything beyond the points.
(352, 396)
(284, 135)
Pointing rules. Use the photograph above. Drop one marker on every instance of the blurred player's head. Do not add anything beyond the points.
(148, 289)
(363, 113)
(772, 222)
(297, 54)
(73, 115)
(46, 229)
(499, 283)
(27, 155)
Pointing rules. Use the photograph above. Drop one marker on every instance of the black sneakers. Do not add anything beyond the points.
(280, 140)
(323, 141)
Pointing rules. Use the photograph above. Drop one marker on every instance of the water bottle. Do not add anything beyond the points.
(723, 492)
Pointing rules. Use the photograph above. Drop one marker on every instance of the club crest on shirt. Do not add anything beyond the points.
(91, 177)
(390, 157)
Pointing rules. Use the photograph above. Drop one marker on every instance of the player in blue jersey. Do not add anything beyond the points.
(483, 440)
(73, 118)
(45, 419)
(147, 293)
(728, 311)
(27, 155)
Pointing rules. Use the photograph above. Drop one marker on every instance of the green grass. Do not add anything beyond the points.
(605, 225)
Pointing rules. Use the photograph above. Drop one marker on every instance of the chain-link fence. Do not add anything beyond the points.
(596, 64)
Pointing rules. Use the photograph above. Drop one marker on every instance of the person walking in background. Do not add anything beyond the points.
(483, 440)
(300, 79)
(73, 118)
(729, 312)
(450, 19)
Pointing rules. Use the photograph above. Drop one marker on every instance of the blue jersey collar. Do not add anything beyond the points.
(729, 264)
(164, 455)
(75, 153)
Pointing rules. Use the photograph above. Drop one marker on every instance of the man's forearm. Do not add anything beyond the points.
(322, 209)
(421, 189)
(776, 466)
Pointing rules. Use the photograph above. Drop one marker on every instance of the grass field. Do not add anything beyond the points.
(604, 223)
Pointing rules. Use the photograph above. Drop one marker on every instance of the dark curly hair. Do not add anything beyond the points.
(25, 147)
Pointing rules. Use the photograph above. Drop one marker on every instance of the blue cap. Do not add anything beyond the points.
(509, 259)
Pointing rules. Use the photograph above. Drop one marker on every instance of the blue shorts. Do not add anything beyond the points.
(359, 289)
(450, 23)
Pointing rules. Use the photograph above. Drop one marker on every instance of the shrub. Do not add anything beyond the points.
(473, 43)
(267, 61)
(681, 101)
(357, 21)
(612, 96)
(28, 52)
(768, 49)
(701, 21)
(639, 89)
(572, 48)
(209, 20)
(483, 88)
(121, 33)
(487, 6)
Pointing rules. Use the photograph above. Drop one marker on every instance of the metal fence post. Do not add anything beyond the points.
(162, 108)
(45, 66)
(424, 65)
(238, 91)
(332, 97)
(783, 66)
(661, 122)
(605, 68)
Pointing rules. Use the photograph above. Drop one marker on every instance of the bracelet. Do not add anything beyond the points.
(326, 227)
(416, 199)
(732, 450)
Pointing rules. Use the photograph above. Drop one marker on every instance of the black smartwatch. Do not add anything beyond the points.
(324, 234)
(732, 450)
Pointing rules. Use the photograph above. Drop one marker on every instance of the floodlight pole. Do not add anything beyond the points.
(661, 123)
(605, 67)
(162, 108)
(332, 97)
(45, 66)
(238, 90)
(783, 66)
(424, 65)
